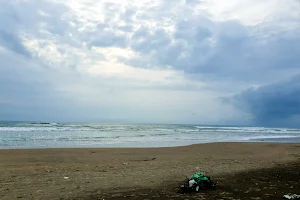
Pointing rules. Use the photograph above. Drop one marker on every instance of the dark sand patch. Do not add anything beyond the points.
(271, 183)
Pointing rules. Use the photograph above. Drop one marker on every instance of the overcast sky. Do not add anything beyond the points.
(156, 61)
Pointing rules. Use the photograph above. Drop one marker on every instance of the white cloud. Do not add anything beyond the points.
(251, 12)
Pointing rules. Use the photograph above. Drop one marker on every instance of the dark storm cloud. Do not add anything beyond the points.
(275, 105)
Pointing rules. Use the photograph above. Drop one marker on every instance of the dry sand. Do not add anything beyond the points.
(242, 170)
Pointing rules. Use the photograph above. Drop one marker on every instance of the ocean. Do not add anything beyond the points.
(23, 135)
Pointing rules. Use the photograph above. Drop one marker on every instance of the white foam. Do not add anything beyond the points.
(68, 135)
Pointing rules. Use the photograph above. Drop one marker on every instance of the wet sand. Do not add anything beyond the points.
(242, 170)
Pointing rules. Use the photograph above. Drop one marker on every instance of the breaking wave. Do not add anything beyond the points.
(52, 135)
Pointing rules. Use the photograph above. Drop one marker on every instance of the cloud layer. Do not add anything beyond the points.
(150, 61)
(277, 104)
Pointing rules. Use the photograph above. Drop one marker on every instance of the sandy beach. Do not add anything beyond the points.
(242, 170)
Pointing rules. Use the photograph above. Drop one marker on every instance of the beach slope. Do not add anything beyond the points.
(242, 170)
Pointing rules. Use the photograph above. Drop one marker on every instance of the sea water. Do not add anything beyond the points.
(15, 135)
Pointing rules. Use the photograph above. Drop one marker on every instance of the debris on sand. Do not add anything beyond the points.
(291, 196)
(198, 182)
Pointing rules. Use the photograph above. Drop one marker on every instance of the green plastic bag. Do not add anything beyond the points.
(199, 177)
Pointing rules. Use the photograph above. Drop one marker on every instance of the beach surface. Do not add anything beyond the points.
(242, 170)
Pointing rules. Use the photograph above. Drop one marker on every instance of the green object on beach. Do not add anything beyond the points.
(199, 177)
(197, 182)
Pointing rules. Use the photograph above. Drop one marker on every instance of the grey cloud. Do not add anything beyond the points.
(104, 39)
(212, 50)
(16, 15)
(224, 50)
(142, 33)
(13, 43)
(126, 28)
(206, 50)
(24, 17)
(106, 34)
(272, 105)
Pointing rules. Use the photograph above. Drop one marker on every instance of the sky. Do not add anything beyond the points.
(233, 62)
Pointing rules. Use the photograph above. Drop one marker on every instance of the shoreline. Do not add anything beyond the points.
(81, 173)
(258, 141)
